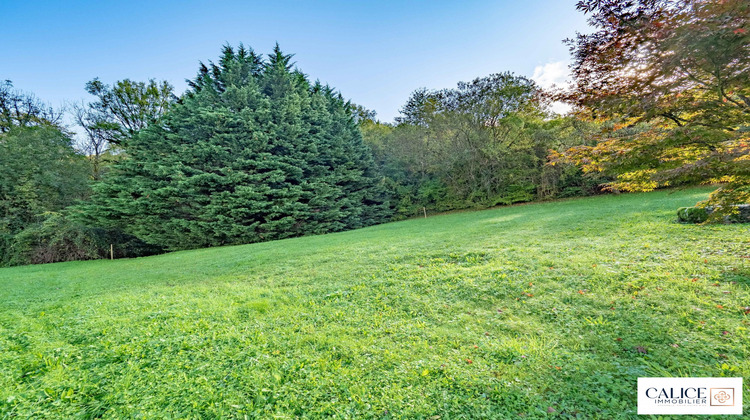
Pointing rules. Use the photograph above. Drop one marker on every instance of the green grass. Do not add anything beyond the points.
(542, 311)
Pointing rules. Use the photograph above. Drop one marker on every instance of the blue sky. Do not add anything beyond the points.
(374, 52)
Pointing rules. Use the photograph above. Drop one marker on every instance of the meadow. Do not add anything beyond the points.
(547, 310)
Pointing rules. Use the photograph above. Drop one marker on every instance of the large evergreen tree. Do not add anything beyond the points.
(252, 152)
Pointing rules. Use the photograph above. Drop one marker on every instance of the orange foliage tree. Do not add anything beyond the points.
(670, 82)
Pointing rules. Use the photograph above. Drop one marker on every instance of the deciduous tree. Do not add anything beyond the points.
(673, 77)
(125, 108)
(22, 109)
(40, 172)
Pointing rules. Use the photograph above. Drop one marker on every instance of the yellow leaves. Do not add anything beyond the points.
(554, 157)
(636, 181)
(723, 179)
(625, 123)
(646, 158)
(620, 126)
(684, 153)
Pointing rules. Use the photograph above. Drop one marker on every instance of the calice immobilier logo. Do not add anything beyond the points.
(689, 395)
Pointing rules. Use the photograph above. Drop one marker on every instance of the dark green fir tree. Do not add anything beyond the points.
(252, 152)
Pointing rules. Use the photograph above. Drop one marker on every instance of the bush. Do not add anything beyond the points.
(692, 214)
(729, 214)
(514, 194)
(58, 238)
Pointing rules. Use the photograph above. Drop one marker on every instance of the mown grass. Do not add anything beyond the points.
(540, 311)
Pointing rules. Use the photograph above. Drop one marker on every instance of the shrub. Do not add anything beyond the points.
(59, 238)
(692, 214)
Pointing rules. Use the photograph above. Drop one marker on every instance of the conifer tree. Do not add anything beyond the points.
(252, 152)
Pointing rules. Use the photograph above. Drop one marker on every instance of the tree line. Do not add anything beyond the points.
(481, 144)
(255, 151)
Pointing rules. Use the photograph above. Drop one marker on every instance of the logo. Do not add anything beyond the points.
(722, 396)
(689, 395)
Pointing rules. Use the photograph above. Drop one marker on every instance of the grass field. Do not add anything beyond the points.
(541, 311)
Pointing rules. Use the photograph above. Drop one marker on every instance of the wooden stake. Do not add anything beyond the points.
(424, 209)
(111, 252)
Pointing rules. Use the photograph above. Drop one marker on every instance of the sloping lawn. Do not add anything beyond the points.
(540, 311)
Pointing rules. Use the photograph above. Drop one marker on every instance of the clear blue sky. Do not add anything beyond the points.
(374, 52)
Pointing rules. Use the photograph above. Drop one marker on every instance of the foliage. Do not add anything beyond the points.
(538, 311)
(482, 144)
(118, 113)
(252, 152)
(21, 109)
(692, 214)
(361, 114)
(60, 237)
(125, 108)
(39, 172)
(700, 214)
(674, 77)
